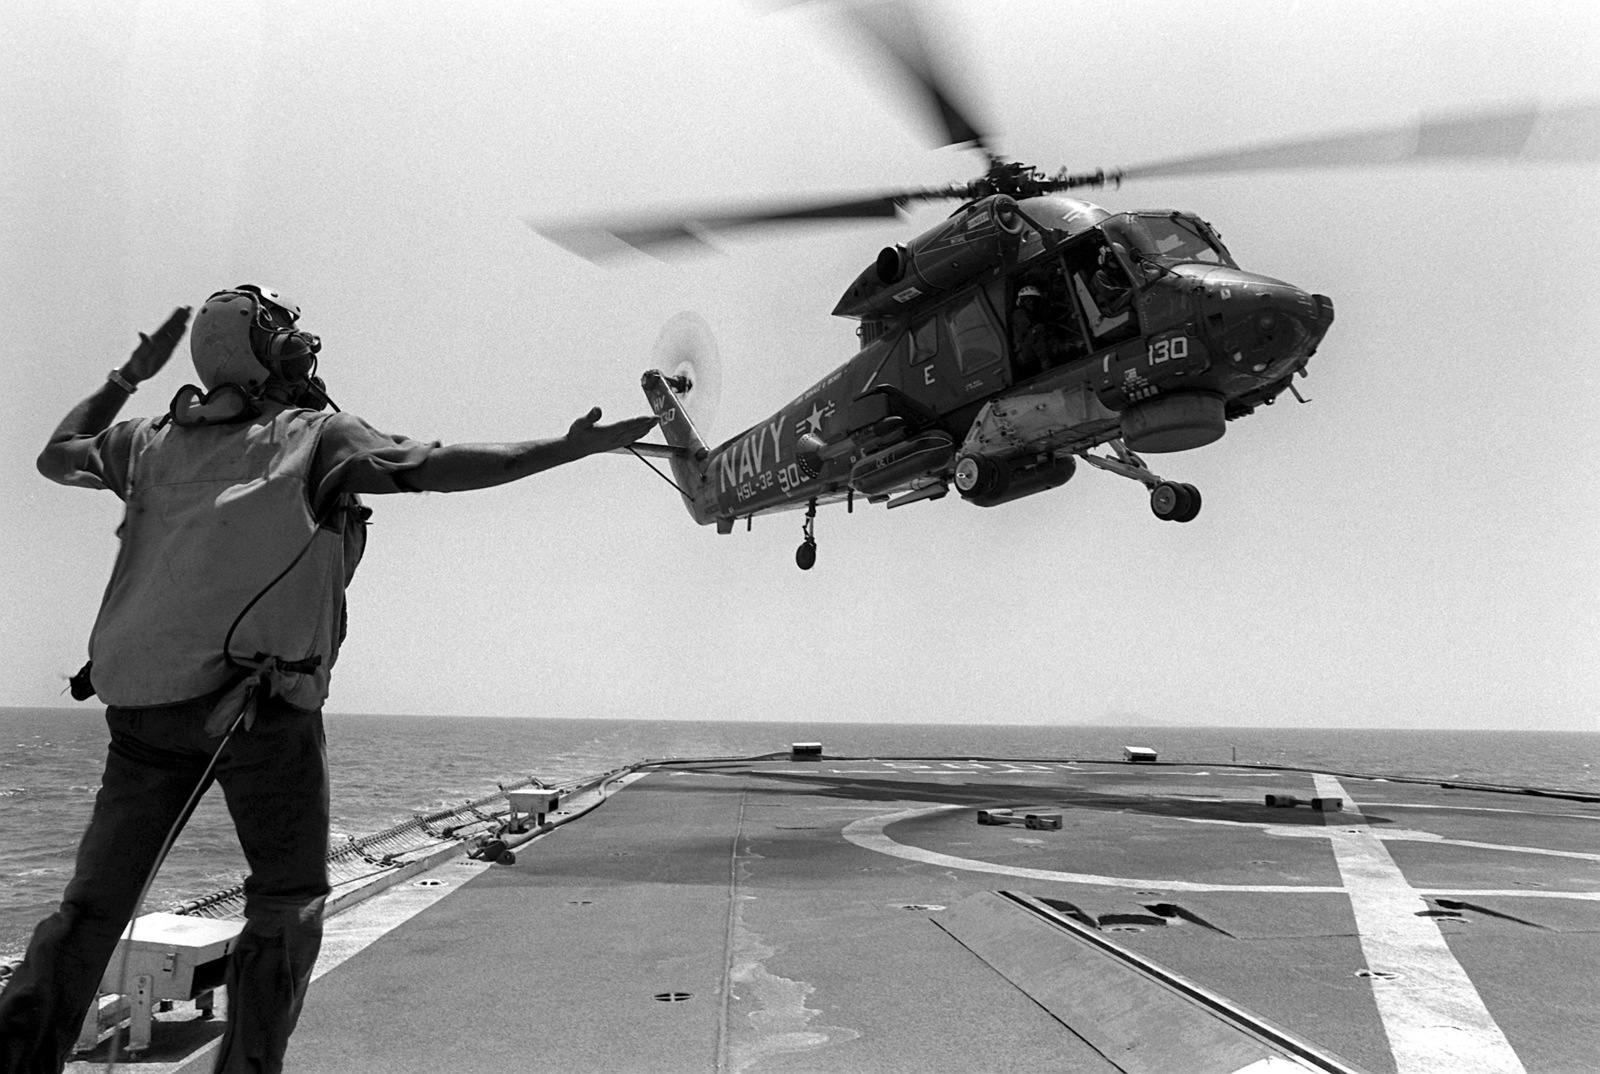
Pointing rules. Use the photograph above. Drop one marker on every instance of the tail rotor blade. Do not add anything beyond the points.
(686, 351)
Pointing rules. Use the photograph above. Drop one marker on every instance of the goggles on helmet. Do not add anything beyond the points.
(222, 405)
(273, 303)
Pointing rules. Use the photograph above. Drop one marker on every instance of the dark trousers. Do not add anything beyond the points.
(275, 780)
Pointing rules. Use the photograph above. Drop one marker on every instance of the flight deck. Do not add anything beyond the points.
(863, 915)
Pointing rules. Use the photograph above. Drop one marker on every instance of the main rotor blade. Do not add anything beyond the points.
(894, 27)
(600, 239)
(1568, 132)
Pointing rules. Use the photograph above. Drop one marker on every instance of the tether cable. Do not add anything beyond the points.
(199, 791)
(659, 474)
(227, 640)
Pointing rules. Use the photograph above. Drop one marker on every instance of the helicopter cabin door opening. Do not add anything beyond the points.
(1070, 306)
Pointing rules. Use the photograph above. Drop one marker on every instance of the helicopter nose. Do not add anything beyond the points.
(1263, 327)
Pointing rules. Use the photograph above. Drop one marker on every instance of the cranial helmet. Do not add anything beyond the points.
(246, 335)
(1029, 291)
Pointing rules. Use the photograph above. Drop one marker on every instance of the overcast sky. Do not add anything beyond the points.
(1417, 547)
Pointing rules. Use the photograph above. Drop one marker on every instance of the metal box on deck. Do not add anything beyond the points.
(538, 802)
(169, 957)
(531, 805)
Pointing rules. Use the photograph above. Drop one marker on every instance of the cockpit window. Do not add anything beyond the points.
(1175, 237)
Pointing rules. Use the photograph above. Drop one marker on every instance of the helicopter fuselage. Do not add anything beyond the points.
(1006, 342)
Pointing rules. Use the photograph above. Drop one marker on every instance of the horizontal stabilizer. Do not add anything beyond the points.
(659, 451)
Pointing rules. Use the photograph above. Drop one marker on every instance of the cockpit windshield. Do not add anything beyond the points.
(1171, 238)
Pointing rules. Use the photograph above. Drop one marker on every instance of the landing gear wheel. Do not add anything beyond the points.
(1175, 502)
(1167, 500)
(1191, 505)
(805, 557)
(978, 476)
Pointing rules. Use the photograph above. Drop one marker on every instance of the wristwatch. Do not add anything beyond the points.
(116, 377)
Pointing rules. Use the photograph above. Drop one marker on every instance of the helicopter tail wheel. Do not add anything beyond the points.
(1175, 502)
(805, 557)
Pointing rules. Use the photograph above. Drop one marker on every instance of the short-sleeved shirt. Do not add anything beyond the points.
(352, 456)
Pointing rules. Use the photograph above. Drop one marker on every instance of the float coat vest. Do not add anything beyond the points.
(214, 514)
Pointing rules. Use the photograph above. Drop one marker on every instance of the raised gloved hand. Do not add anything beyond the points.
(586, 437)
(154, 350)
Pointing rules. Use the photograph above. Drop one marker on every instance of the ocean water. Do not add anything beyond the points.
(386, 768)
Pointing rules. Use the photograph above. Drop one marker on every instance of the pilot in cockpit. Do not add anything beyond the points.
(1110, 285)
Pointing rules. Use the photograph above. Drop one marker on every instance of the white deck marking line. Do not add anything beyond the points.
(348, 933)
(920, 773)
(1435, 1020)
(367, 922)
(1486, 809)
(868, 834)
(1514, 893)
(1274, 1064)
(1510, 848)
(1390, 835)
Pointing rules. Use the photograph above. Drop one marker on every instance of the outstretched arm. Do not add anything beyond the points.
(459, 467)
(63, 452)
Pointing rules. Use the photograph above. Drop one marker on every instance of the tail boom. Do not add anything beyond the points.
(688, 458)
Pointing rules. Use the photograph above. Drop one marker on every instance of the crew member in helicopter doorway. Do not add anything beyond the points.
(213, 644)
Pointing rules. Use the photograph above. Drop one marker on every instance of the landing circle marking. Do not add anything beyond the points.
(868, 833)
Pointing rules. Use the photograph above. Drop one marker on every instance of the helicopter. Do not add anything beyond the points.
(1028, 332)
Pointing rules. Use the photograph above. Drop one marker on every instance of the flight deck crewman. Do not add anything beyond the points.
(1028, 331)
(225, 610)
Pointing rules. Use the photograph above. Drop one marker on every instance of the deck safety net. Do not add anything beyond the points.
(361, 858)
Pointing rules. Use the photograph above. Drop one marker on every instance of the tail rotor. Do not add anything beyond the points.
(686, 353)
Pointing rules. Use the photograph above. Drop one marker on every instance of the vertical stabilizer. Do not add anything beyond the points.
(689, 460)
